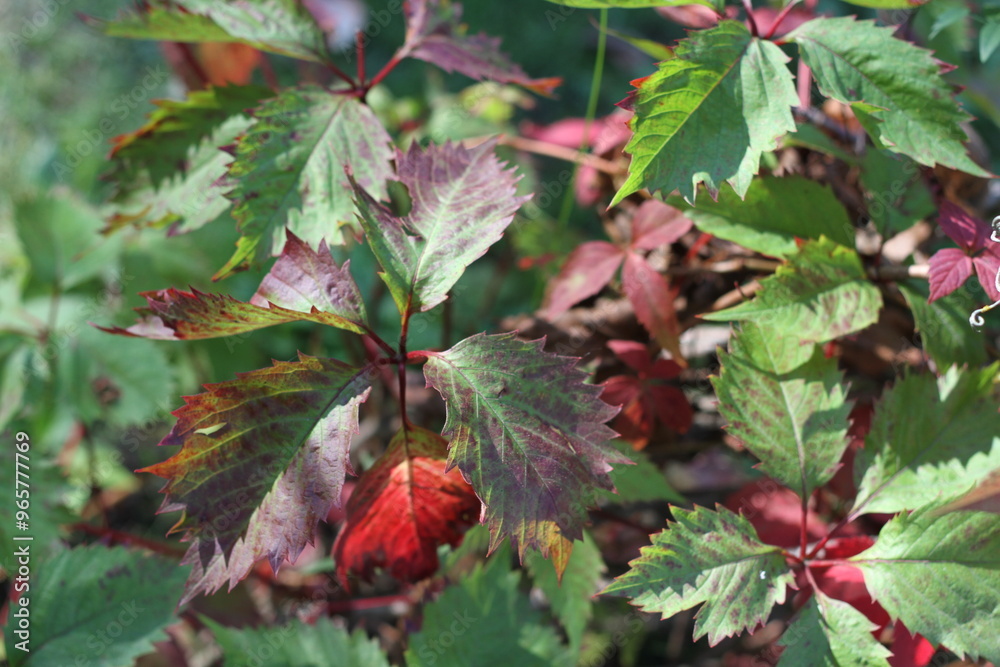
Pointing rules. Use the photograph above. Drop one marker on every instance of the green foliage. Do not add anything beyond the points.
(832, 633)
(297, 645)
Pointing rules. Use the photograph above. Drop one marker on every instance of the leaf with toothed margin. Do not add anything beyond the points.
(279, 26)
(263, 459)
(930, 439)
(795, 420)
(822, 293)
(435, 34)
(529, 436)
(831, 633)
(708, 113)
(895, 87)
(462, 201)
(710, 558)
(303, 285)
(940, 575)
(288, 170)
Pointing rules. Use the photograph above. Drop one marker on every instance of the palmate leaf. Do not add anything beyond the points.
(895, 88)
(288, 170)
(303, 285)
(137, 593)
(931, 439)
(821, 294)
(434, 34)
(831, 633)
(708, 113)
(462, 201)
(771, 216)
(167, 171)
(529, 436)
(794, 421)
(403, 509)
(713, 558)
(263, 458)
(279, 26)
(297, 644)
(940, 575)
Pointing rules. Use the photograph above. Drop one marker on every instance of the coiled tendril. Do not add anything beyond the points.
(976, 319)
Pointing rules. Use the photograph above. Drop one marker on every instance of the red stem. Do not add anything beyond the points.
(360, 41)
(401, 365)
(120, 537)
(779, 18)
(340, 73)
(750, 19)
(804, 534)
(804, 84)
(382, 73)
(381, 343)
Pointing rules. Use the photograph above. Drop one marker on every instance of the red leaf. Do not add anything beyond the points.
(775, 512)
(632, 353)
(963, 229)
(846, 582)
(655, 224)
(635, 421)
(587, 270)
(949, 268)
(987, 263)
(653, 303)
(670, 406)
(403, 508)
(909, 650)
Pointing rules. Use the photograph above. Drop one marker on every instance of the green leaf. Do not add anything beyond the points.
(794, 421)
(709, 558)
(571, 596)
(289, 170)
(931, 439)
(278, 26)
(821, 294)
(463, 200)
(941, 577)
(774, 213)
(908, 106)
(168, 170)
(105, 605)
(944, 325)
(528, 434)
(634, 4)
(895, 193)
(708, 113)
(948, 17)
(485, 614)
(989, 39)
(296, 645)
(263, 459)
(811, 137)
(888, 4)
(640, 480)
(831, 633)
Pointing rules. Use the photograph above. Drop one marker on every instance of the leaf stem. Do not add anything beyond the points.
(595, 90)
(779, 18)
(384, 72)
(375, 338)
(359, 40)
(558, 152)
(750, 18)
(336, 71)
(401, 362)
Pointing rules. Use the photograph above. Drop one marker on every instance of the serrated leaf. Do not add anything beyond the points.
(303, 285)
(288, 170)
(831, 633)
(571, 595)
(931, 438)
(463, 200)
(941, 577)
(587, 270)
(944, 325)
(653, 301)
(795, 422)
(297, 645)
(435, 34)
(167, 171)
(821, 294)
(710, 558)
(773, 215)
(951, 267)
(908, 106)
(527, 433)
(708, 113)
(485, 614)
(279, 26)
(404, 507)
(137, 595)
(258, 487)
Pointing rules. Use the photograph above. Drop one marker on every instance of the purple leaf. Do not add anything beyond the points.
(949, 269)
(587, 270)
(966, 231)
(656, 224)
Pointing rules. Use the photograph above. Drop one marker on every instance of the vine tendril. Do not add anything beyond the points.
(976, 319)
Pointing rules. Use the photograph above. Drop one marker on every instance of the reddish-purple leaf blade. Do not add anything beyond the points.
(987, 263)
(655, 224)
(671, 407)
(587, 270)
(310, 281)
(963, 229)
(434, 35)
(653, 303)
(528, 434)
(263, 458)
(463, 200)
(949, 268)
(632, 353)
